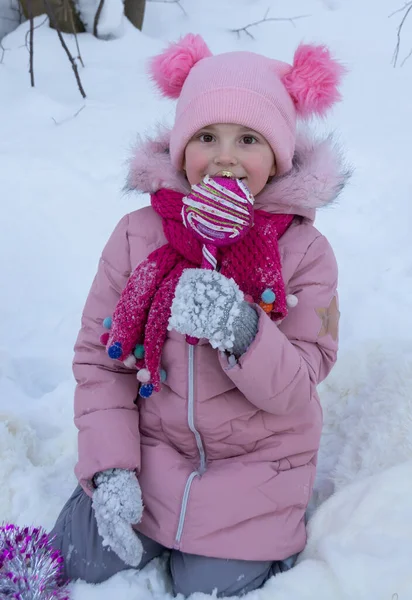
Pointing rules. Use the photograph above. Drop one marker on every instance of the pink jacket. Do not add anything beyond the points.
(225, 455)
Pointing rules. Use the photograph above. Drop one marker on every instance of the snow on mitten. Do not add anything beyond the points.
(209, 305)
(117, 503)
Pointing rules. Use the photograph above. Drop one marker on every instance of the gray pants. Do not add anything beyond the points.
(85, 557)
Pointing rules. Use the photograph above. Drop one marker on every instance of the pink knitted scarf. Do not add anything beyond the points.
(143, 311)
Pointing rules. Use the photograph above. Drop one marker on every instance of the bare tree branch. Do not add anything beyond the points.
(51, 14)
(406, 57)
(73, 26)
(31, 45)
(398, 10)
(266, 20)
(171, 2)
(97, 17)
(3, 52)
(407, 8)
(69, 118)
(26, 37)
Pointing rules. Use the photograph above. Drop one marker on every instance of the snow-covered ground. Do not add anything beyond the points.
(63, 165)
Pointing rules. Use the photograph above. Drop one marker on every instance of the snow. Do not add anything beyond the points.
(9, 17)
(63, 165)
(110, 24)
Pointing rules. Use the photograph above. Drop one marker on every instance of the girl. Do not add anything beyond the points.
(211, 451)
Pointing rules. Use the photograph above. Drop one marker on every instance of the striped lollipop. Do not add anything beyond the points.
(219, 211)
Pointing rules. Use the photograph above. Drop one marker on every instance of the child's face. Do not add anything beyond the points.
(227, 147)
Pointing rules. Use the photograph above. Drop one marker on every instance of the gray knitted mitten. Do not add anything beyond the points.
(117, 504)
(209, 305)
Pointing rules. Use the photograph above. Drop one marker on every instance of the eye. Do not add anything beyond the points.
(249, 139)
(206, 138)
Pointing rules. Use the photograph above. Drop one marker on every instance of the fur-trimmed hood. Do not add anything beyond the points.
(317, 177)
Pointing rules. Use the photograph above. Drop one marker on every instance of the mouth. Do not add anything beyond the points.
(228, 174)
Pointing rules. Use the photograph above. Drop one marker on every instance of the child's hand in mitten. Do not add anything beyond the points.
(209, 305)
(117, 503)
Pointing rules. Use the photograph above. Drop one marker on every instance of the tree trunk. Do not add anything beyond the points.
(64, 11)
(134, 11)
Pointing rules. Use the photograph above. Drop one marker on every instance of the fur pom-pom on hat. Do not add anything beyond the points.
(170, 69)
(313, 80)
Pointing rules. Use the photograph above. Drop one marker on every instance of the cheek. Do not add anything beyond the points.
(264, 166)
(194, 165)
(259, 172)
(259, 167)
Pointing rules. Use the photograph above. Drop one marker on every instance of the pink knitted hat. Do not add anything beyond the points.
(247, 89)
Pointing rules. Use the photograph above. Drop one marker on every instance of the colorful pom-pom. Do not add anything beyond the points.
(268, 296)
(104, 338)
(139, 351)
(170, 69)
(107, 322)
(249, 298)
(163, 375)
(291, 300)
(313, 80)
(143, 376)
(266, 307)
(146, 390)
(130, 361)
(115, 350)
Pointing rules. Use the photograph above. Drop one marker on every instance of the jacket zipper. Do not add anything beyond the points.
(191, 412)
(199, 443)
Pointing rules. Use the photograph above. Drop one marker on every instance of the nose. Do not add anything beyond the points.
(225, 157)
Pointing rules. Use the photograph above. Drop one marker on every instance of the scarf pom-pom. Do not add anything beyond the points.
(170, 69)
(30, 569)
(146, 390)
(313, 80)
